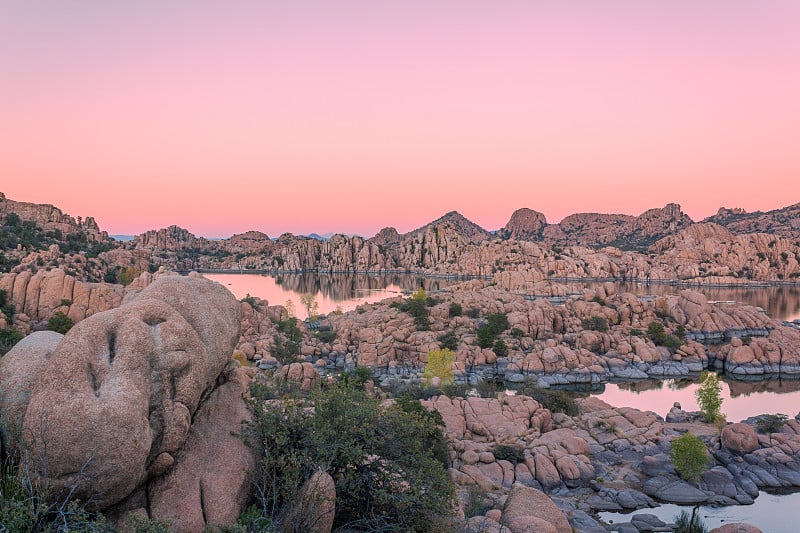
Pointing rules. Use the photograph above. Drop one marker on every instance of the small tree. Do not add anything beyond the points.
(440, 365)
(59, 323)
(311, 305)
(709, 396)
(689, 455)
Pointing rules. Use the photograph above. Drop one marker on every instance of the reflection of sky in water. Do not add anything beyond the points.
(770, 513)
(331, 291)
(748, 398)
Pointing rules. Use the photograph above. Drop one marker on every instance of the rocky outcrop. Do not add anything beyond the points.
(132, 393)
(524, 225)
(36, 297)
(460, 224)
(51, 218)
(784, 221)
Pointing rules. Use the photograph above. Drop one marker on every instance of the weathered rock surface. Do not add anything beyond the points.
(113, 406)
(740, 438)
(736, 528)
(528, 510)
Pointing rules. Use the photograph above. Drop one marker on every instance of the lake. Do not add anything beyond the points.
(331, 291)
(772, 513)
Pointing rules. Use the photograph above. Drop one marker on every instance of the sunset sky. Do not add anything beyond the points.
(349, 116)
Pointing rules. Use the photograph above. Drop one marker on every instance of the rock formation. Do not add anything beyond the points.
(143, 390)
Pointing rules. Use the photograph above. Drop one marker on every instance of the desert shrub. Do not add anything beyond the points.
(709, 396)
(383, 460)
(557, 401)
(449, 340)
(485, 336)
(440, 364)
(689, 455)
(500, 348)
(595, 323)
(512, 454)
(635, 332)
(488, 388)
(325, 335)
(498, 322)
(598, 300)
(517, 333)
(455, 309)
(5, 305)
(475, 503)
(249, 300)
(8, 338)
(771, 423)
(659, 336)
(417, 307)
(286, 343)
(59, 322)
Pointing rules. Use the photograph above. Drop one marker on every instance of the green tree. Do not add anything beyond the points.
(455, 309)
(449, 340)
(709, 396)
(690, 456)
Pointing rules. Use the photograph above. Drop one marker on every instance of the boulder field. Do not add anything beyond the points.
(135, 408)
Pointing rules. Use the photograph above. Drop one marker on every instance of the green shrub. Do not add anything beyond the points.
(455, 309)
(690, 457)
(771, 423)
(500, 348)
(473, 312)
(634, 332)
(383, 460)
(497, 322)
(286, 344)
(251, 301)
(325, 335)
(485, 336)
(595, 323)
(512, 454)
(599, 300)
(558, 401)
(449, 340)
(517, 333)
(489, 388)
(60, 323)
(8, 338)
(709, 396)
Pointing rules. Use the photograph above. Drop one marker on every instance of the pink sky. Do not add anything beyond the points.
(350, 116)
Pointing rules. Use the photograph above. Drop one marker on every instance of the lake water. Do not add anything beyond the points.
(332, 291)
(772, 513)
(741, 399)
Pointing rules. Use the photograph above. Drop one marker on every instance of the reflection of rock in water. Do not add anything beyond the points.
(779, 386)
(341, 287)
(780, 302)
(641, 385)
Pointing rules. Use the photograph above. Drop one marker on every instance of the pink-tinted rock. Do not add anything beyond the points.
(740, 438)
(524, 503)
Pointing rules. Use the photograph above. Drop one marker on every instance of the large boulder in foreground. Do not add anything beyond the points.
(740, 438)
(113, 405)
(528, 510)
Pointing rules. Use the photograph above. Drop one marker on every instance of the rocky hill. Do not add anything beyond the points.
(51, 219)
(459, 223)
(784, 222)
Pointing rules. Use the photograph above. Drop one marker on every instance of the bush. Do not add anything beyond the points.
(473, 312)
(326, 336)
(690, 457)
(558, 401)
(485, 336)
(8, 338)
(709, 397)
(595, 323)
(449, 340)
(517, 333)
(512, 454)
(383, 460)
(440, 364)
(455, 309)
(59, 322)
(488, 388)
(771, 423)
(498, 323)
(500, 348)
(286, 343)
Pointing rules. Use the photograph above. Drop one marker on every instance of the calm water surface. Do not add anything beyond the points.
(772, 513)
(344, 291)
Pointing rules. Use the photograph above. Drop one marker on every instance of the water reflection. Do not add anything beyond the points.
(781, 302)
(742, 399)
(770, 512)
(331, 291)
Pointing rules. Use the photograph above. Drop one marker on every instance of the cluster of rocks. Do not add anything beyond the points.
(136, 409)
